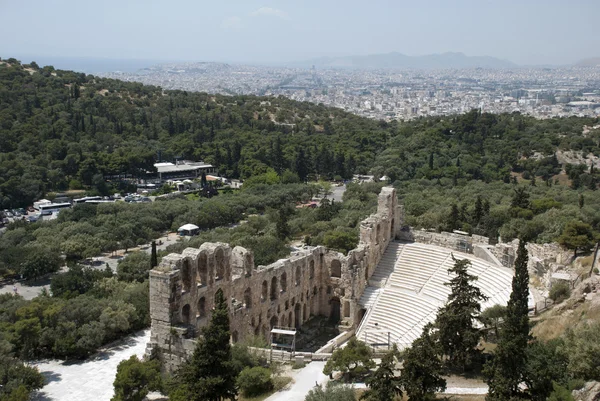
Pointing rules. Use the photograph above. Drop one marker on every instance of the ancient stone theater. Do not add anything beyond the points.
(312, 281)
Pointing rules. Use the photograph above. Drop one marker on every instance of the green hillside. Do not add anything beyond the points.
(61, 130)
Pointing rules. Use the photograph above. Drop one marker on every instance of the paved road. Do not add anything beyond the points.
(91, 379)
(304, 380)
(337, 193)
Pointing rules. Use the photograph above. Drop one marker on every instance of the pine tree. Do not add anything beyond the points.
(209, 375)
(383, 384)
(153, 256)
(455, 321)
(422, 369)
(507, 370)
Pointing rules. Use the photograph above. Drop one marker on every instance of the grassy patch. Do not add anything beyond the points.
(555, 322)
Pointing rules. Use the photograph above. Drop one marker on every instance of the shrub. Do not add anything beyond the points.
(560, 291)
(331, 392)
(255, 381)
(298, 365)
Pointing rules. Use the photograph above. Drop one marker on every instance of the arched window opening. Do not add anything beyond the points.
(202, 307)
(220, 264)
(248, 265)
(186, 275)
(202, 276)
(185, 314)
(248, 298)
(336, 268)
(311, 270)
(298, 276)
(283, 282)
(273, 288)
(265, 290)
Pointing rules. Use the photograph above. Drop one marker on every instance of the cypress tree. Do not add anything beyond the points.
(383, 384)
(507, 370)
(455, 321)
(422, 369)
(153, 256)
(478, 210)
(210, 374)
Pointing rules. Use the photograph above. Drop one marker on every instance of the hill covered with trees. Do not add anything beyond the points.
(61, 130)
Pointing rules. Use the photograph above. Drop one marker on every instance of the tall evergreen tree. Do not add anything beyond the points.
(457, 333)
(277, 158)
(301, 165)
(422, 368)
(153, 256)
(507, 370)
(209, 375)
(383, 384)
(478, 210)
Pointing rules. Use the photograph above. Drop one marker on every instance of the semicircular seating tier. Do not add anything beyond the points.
(407, 289)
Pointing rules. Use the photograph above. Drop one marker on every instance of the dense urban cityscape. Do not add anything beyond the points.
(395, 94)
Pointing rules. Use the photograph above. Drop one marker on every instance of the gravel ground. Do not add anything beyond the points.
(91, 379)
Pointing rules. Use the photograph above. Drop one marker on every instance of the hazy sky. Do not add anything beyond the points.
(523, 31)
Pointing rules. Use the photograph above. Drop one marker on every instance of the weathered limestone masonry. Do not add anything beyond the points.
(544, 259)
(312, 281)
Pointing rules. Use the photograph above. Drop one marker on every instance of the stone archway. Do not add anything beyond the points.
(248, 265)
(336, 268)
(335, 310)
(283, 282)
(248, 298)
(298, 315)
(186, 275)
(202, 276)
(185, 314)
(274, 288)
(202, 307)
(265, 291)
(220, 264)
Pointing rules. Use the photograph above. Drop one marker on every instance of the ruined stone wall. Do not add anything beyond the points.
(459, 242)
(312, 281)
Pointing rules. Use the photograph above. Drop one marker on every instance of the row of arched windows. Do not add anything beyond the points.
(201, 277)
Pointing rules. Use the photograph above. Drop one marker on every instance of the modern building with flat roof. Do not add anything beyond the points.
(182, 169)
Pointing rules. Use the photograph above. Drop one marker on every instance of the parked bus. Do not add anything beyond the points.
(49, 208)
(86, 199)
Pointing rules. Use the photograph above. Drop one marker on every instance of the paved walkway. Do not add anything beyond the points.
(91, 379)
(304, 381)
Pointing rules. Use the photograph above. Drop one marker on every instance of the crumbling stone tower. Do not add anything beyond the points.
(312, 281)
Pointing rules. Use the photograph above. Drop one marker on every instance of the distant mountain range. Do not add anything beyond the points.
(399, 60)
(589, 62)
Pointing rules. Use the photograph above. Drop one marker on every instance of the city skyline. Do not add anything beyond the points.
(534, 33)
